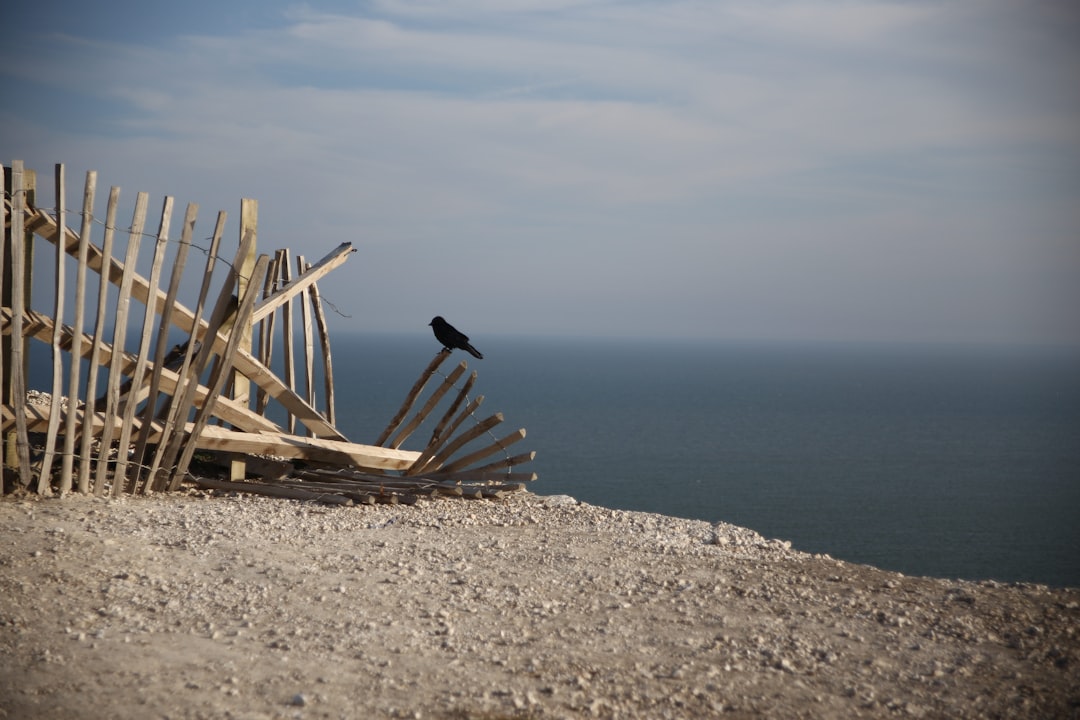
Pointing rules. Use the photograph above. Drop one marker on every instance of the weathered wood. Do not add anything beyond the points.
(309, 343)
(245, 362)
(67, 465)
(4, 289)
(223, 364)
(60, 288)
(324, 344)
(496, 470)
(417, 388)
(291, 288)
(119, 335)
(440, 428)
(17, 391)
(266, 332)
(161, 350)
(142, 360)
(500, 444)
(438, 442)
(96, 346)
(462, 440)
(421, 415)
(241, 386)
(183, 394)
(288, 339)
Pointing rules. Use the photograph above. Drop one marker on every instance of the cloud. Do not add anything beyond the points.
(793, 159)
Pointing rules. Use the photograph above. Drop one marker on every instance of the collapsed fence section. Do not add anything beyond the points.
(131, 420)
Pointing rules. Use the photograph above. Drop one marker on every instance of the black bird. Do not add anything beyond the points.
(451, 337)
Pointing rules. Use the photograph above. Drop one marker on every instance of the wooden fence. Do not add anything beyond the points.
(138, 428)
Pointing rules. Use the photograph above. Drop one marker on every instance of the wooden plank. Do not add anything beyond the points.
(183, 395)
(96, 346)
(245, 362)
(287, 336)
(17, 391)
(444, 387)
(241, 386)
(123, 305)
(266, 332)
(500, 444)
(292, 288)
(314, 449)
(224, 362)
(309, 342)
(324, 344)
(45, 474)
(440, 432)
(463, 439)
(161, 349)
(414, 392)
(440, 438)
(497, 470)
(67, 465)
(4, 287)
(142, 361)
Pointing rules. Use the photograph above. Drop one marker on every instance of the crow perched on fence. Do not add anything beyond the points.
(451, 337)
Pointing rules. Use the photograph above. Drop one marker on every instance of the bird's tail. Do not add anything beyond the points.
(473, 351)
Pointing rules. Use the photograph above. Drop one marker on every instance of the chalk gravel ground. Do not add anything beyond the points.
(188, 606)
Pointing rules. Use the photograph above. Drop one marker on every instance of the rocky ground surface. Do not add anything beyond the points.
(184, 606)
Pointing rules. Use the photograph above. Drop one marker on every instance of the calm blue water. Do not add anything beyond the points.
(951, 462)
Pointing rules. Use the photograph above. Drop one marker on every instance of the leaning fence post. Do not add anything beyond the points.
(241, 386)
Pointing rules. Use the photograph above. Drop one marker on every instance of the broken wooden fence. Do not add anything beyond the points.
(158, 405)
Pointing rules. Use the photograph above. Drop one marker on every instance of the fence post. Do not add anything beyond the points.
(249, 220)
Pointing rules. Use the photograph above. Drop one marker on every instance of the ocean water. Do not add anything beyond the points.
(960, 462)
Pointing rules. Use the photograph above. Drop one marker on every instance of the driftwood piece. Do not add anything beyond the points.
(309, 339)
(289, 350)
(266, 333)
(417, 388)
(96, 347)
(421, 415)
(67, 462)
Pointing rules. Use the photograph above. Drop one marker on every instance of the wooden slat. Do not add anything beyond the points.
(142, 361)
(287, 335)
(414, 392)
(67, 466)
(60, 288)
(183, 395)
(500, 444)
(497, 470)
(245, 362)
(309, 277)
(266, 332)
(224, 361)
(324, 344)
(17, 391)
(96, 346)
(421, 415)
(277, 491)
(123, 309)
(462, 440)
(161, 350)
(309, 342)
(440, 433)
(442, 437)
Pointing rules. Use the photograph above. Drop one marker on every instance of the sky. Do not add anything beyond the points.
(833, 170)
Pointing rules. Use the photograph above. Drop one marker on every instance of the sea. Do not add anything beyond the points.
(945, 461)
